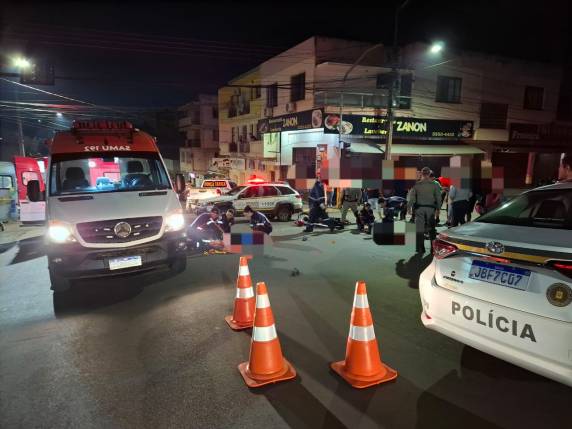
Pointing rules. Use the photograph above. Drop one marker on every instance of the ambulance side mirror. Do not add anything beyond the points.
(180, 184)
(33, 191)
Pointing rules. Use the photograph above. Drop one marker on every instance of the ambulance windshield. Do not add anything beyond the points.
(109, 172)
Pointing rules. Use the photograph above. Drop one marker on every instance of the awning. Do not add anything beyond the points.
(364, 147)
(434, 150)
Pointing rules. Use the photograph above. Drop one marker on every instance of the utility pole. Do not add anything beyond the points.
(394, 80)
(19, 124)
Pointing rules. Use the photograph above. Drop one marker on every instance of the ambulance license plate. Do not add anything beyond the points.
(125, 262)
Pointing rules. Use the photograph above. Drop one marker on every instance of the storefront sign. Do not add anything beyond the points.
(416, 128)
(524, 132)
(271, 142)
(229, 163)
(294, 121)
(553, 132)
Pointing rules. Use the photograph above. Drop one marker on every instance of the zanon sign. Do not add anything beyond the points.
(415, 128)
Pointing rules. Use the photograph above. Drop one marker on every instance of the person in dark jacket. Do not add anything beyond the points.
(317, 202)
(227, 220)
(205, 229)
(258, 222)
(366, 218)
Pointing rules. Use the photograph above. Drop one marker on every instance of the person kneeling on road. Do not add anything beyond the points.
(205, 229)
(366, 218)
(227, 220)
(258, 222)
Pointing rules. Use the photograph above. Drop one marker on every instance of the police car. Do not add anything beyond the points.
(503, 283)
(277, 200)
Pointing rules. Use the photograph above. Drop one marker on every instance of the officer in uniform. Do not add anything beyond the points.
(258, 222)
(425, 201)
(350, 200)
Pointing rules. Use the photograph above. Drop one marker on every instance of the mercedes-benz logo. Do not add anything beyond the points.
(122, 229)
(495, 247)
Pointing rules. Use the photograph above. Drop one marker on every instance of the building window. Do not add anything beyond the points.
(493, 115)
(215, 112)
(255, 92)
(533, 97)
(272, 95)
(215, 135)
(233, 135)
(448, 89)
(405, 86)
(298, 87)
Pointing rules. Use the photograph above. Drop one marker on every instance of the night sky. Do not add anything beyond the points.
(162, 54)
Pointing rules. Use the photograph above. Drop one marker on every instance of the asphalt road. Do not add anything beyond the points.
(154, 350)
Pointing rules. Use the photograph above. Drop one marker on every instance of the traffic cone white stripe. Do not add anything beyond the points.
(360, 301)
(262, 301)
(244, 293)
(264, 333)
(243, 270)
(362, 333)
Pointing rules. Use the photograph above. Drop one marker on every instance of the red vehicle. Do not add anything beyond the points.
(30, 169)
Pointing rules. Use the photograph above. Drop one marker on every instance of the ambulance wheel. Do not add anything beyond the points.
(179, 265)
(59, 284)
(63, 300)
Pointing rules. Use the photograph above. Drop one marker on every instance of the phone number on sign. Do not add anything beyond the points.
(443, 134)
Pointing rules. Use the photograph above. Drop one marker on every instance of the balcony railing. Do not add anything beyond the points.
(244, 147)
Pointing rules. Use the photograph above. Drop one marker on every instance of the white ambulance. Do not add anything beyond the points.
(111, 206)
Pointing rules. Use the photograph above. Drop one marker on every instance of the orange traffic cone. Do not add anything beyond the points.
(363, 366)
(266, 364)
(243, 314)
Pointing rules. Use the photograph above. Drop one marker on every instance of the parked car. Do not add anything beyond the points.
(503, 283)
(276, 200)
(209, 188)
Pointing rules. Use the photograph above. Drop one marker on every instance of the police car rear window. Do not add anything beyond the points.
(537, 209)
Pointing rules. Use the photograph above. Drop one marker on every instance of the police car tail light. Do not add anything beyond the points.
(564, 267)
(442, 249)
(299, 196)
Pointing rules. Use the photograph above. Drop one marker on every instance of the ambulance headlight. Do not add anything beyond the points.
(175, 221)
(60, 232)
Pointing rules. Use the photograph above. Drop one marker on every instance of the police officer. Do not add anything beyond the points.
(350, 199)
(317, 201)
(425, 201)
(258, 222)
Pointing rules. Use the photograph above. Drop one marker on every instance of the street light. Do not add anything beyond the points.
(436, 48)
(59, 114)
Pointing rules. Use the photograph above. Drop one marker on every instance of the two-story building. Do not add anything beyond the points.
(198, 120)
(320, 112)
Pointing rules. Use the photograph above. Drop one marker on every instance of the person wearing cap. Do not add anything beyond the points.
(565, 170)
(425, 202)
(258, 222)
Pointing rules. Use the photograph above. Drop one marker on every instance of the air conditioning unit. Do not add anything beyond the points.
(291, 107)
(268, 111)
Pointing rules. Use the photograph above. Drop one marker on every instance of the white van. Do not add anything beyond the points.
(131, 221)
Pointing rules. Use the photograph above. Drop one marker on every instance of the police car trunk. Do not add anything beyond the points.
(506, 288)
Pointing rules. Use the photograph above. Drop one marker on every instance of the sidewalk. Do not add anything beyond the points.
(14, 231)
